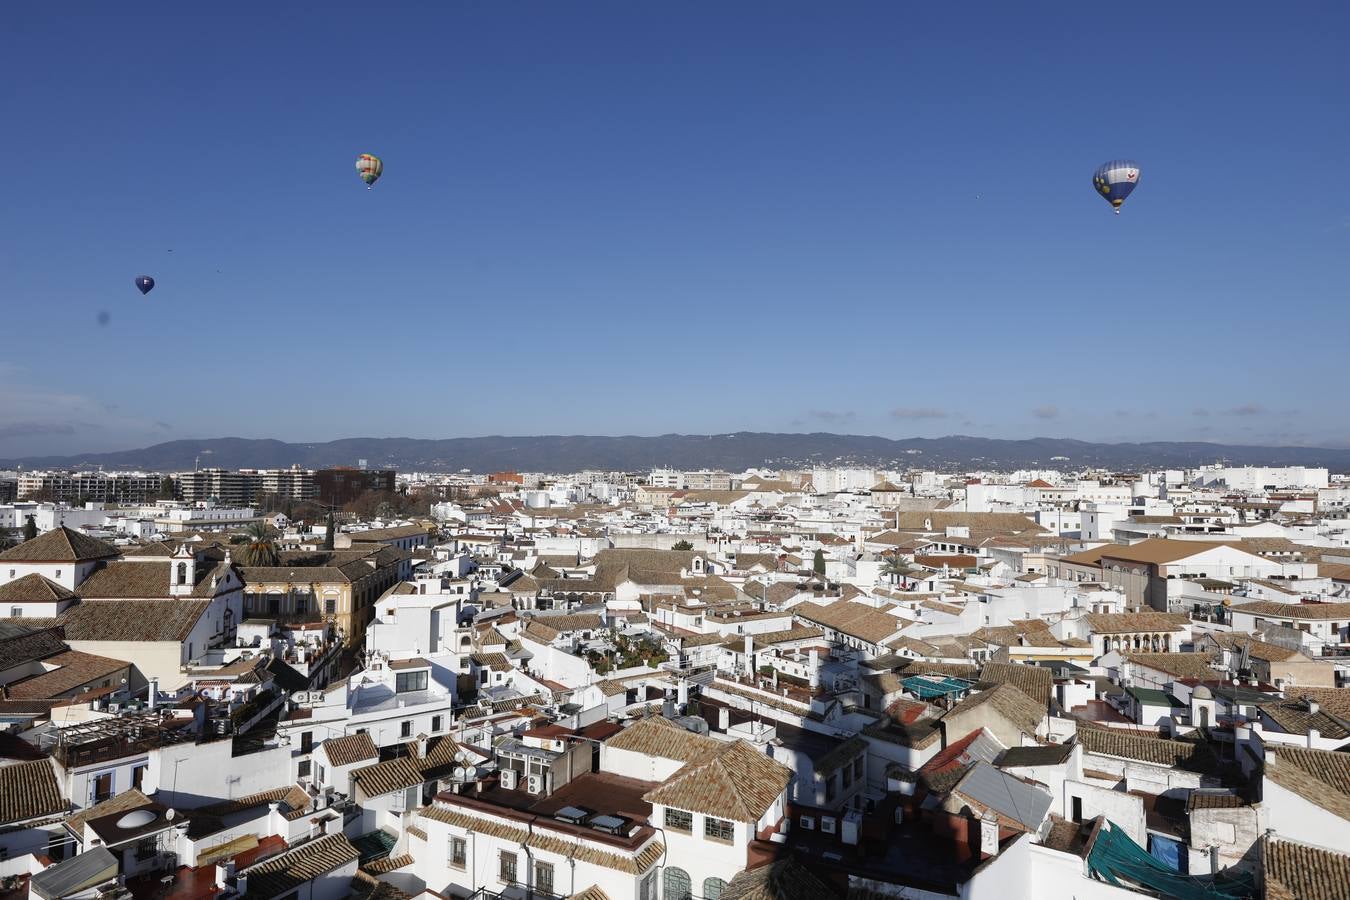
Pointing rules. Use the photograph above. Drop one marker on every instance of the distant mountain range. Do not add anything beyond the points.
(734, 452)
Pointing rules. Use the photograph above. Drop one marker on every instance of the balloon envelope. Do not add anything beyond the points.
(1116, 180)
(370, 168)
(145, 283)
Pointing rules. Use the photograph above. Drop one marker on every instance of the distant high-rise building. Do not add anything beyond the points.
(96, 487)
(340, 486)
(245, 487)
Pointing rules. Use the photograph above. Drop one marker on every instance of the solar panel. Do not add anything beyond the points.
(573, 814)
(611, 824)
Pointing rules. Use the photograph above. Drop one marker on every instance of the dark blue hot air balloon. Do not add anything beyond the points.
(1116, 180)
(145, 283)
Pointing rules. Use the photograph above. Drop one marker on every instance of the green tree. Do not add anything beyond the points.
(682, 545)
(895, 569)
(329, 531)
(168, 488)
(7, 539)
(261, 549)
(819, 563)
(29, 528)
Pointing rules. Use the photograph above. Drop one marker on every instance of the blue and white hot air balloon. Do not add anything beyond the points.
(1115, 180)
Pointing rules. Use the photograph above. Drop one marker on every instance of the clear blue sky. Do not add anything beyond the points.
(639, 218)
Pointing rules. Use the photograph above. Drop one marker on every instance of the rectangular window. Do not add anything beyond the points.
(830, 788)
(146, 848)
(543, 877)
(405, 729)
(307, 742)
(302, 770)
(455, 852)
(717, 829)
(679, 820)
(16, 612)
(848, 776)
(858, 768)
(103, 787)
(435, 723)
(330, 606)
(138, 776)
(506, 869)
(410, 681)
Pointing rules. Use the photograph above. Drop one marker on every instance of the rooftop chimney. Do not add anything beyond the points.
(723, 718)
(1313, 707)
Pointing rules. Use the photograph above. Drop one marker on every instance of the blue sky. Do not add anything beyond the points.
(622, 217)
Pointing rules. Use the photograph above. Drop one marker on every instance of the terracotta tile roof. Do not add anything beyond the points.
(841, 754)
(73, 669)
(1294, 717)
(658, 736)
(27, 646)
(29, 790)
(129, 580)
(782, 879)
(1159, 551)
(387, 777)
(852, 618)
(1036, 682)
(1237, 640)
(349, 750)
(441, 754)
(1129, 623)
(60, 545)
(123, 802)
(388, 864)
(494, 661)
(1322, 777)
(292, 795)
(1179, 665)
(591, 893)
(1333, 700)
(290, 870)
(1295, 871)
(1317, 611)
(133, 620)
(739, 783)
(1194, 756)
(1212, 800)
(1011, 703)
(33, 588)
(541, 839)
(938, 606)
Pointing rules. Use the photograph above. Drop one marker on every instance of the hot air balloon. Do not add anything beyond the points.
(145, 283)
(1115, 180)
(370, 168)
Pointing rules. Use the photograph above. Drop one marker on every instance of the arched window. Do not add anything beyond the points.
(678, 886)
(182, 573)
(713, 887)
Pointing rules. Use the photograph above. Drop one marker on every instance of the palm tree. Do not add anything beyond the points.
(260, 550)
(896, 568)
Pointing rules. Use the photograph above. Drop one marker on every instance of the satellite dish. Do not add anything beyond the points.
(169, 814)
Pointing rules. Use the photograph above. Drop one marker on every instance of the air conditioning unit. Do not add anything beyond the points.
(508, 779)
(536, 784)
